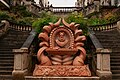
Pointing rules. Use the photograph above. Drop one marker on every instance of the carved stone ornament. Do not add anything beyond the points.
(62, 71)
(61, 52)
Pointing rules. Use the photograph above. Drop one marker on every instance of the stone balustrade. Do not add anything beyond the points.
(63, 9)
(103, 58)
(104, 27)
(7, 25)
(20, 27)
(22, 58)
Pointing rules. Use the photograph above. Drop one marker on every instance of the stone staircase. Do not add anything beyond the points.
(111, 40)
(12, 40)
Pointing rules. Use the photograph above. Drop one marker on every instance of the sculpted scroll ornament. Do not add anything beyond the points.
(61, 43)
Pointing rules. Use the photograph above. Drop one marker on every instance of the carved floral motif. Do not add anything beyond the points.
(62, 71)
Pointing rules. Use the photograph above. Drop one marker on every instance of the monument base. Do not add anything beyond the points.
(61, 78)
(82, 71)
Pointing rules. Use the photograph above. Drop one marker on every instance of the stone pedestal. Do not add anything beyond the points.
(19, 74)
(103, 64)
(21, 62)
(61, 71)
(104, 75)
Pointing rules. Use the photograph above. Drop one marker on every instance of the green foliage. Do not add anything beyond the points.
(78, 18)
(41, 22)
(26, 21)
(21, 11)
(96, 21)
(3, 15)
(18, 15)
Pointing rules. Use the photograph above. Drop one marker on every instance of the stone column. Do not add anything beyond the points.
(103, 64)
(118, 25)
(113, 2)
(97, 5)
(21, 62)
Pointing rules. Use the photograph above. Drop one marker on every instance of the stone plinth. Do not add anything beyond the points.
(61, 78)
(62, 71)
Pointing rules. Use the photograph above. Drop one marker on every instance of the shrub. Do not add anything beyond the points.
(21, 11)
(41, 22)
(78, 18)
(3, 15)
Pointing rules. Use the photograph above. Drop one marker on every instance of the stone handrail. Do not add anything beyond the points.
(103, 58)
(20, 27)
(104, 27)
(94, 39)
(22, 58)
(29, 40)
(63, 9)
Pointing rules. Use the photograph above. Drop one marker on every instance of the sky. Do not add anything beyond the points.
(61, 3)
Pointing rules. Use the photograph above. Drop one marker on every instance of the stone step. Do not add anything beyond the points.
(5, 77)
(7, 64)
(108, 32)
(115, 54)
(116, 50)
(114, 57)
(115, 67)
(108, 44)
(115, 63)
(116, 76)
(9, 47)
(13, 40)
(6, 67)
(115, 71)
(10, 42)
(7, 54)
(111, 47)
(103, 40)
(61, 78)
(5, 51)
(6, 72)
(115, 60)
(7, 61)
(107, 35)
(6, 57)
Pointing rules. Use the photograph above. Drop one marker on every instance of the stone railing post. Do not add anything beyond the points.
(7, 25)
(103, 64)
(118, 25)
(21, 62)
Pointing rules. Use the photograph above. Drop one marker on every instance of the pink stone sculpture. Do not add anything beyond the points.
(61, 44)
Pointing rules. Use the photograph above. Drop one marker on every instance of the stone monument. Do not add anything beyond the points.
(61, 52)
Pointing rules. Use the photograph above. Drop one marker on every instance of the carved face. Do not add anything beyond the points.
(61, 36)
